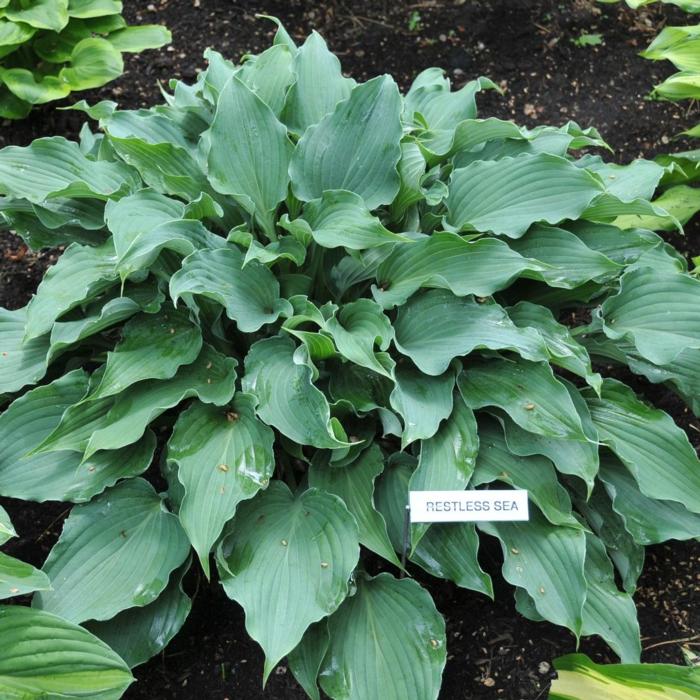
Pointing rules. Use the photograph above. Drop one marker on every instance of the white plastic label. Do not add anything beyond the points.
(468, 506)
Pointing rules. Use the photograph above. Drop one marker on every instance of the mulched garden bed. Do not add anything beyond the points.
(527, 46)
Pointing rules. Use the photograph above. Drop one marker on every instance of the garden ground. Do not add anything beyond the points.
(529, 48)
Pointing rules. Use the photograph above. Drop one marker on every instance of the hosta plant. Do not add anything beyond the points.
(50, 48)
(287, 299)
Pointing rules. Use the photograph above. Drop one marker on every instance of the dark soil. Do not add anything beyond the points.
(528, 47)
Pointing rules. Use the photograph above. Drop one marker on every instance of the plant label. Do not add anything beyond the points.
(468, 506)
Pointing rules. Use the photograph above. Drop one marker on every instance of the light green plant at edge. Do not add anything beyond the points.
(579, 678)
(315, 295)
(50, 48)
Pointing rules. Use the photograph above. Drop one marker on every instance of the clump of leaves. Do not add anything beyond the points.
(316, 295)
(50, 48)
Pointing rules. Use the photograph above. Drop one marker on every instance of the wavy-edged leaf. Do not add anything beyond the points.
(422, 401)
(563, 349)
(19, 578)
(151, 347)
(223, 457)
(59, 476)
(548, 562)
(579, 678)
(354, 483)
(318, 88)
(435, 327)
(341, 218)
(103, 314)
(654, 449)
(508, 195)
(287, 398)
(571, 262)
(47, 656)
(386, 641)
(114, 553)
(21, 363)
(658, 310)
(534, 473)
(250, 293)
(113, 422)
(249, 153)
(356, 328)
(449, 551)
(355, 147)
(447, 459)
(269, 75)
(448, 261)
(649, 520)
(527, 391)
(607, 611)
(80, 274)
(138, 634)
(287, 557)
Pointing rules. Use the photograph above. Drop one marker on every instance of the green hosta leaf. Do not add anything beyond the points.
(658, 310)
(285, 248)
(137, 39)
(114, 553)
(93, 8)
(548, 562)
(340, 218)
(41, 14)
(355, 147)
(648, 520)
(101, 315)
(250, 293)
(572, 262)
(306, 658)
(34, 87)
(80, 274)
(18, 578)
(422, 401)
(12, 34)
(269, 75)
(157, 149)
(249, 153)
(654, 449)
(287, 398)
(447, 459)
(138, 634)
(53, 167)
(386, 641)
(435, 327)
(11, 107)
(569, 456)
(508, 195)
(534, 473)
(223, 457)
(290, 558)
(151, 347)
(528, 392)
(448, 551)
(7, 530)
(607, 611)
(449, 261)
(94, 62)
(50, 657)
(319, 85)
(21, 363)
(356, 328)
(354, 483)
(562, 348)
(113, 422)
(578, 678)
